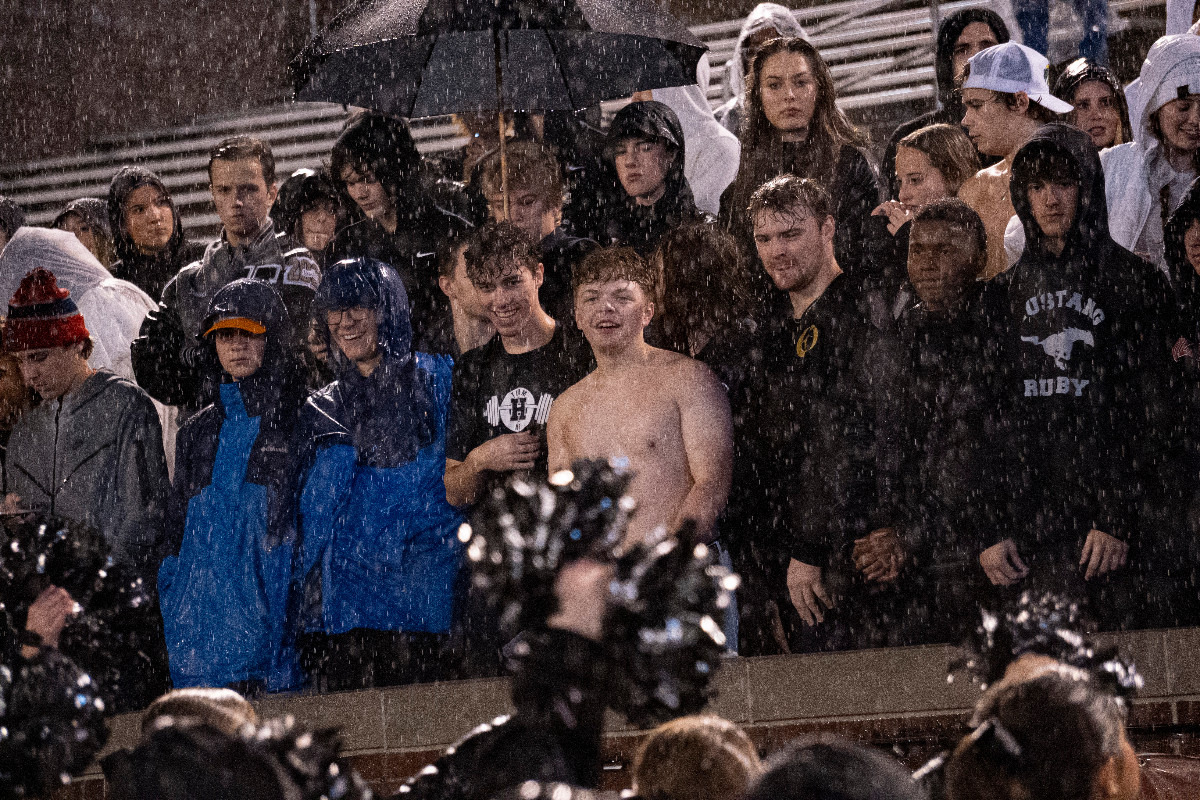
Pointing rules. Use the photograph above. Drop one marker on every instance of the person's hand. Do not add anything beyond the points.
(12, 504)
(1003, 563)
(1102, 554)
(48, 615)
(879, 555)
(509, 452)
(582, 591)
(807, 591)
(896, 212)
(317, 345)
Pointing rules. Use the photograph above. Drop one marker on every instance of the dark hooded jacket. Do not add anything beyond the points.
(640, 227)
(150, 273)
(12, 216)
(423, 221)
(303, 191)
(1079, 362)
(949, 107)
(224, 591)
(379, 548)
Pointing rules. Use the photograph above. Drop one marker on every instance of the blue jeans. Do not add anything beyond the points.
(1033, 17)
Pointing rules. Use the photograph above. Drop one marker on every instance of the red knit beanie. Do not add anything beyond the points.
(41, 315)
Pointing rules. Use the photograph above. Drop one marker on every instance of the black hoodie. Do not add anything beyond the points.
(950, 108)
(1080, 359)
(640, 227)
(150, 273)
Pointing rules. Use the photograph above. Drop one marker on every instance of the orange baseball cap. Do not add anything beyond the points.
(239, 323)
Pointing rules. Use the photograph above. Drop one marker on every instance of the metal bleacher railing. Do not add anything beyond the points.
(879, 51)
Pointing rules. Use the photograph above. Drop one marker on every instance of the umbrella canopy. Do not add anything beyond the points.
(423, 58)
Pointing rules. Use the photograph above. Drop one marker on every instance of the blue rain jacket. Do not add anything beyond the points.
(225, 594)
(379, 543)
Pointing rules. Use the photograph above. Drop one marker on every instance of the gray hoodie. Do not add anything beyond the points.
(95, 456)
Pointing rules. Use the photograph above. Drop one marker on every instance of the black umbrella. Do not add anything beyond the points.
(424, 58)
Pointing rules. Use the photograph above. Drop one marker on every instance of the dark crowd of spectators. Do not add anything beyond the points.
(887, 398)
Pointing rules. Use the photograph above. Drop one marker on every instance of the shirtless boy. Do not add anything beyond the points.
(664, 412)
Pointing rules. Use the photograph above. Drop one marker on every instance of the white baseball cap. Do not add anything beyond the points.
(1012, 68)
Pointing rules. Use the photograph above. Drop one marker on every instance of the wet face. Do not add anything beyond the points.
(1191, 244)
(149, 219)
(943, 262)
(642, 166)
(975, 37)
(920, 182)
(241, 195)
(460, 290)
(368, 193)
(52, 371)
(612, 314)
(1096, 113)
(14, 398)
(318, 225)
(88, 236)
(355, 332)
(989, 121)
(528, 210)
(1179, 122)
(794, 247)
(240, 352)
(510, 297)
(1053, 203)
(789, 94)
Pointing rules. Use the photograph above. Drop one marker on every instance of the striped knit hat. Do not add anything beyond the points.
(41, 315)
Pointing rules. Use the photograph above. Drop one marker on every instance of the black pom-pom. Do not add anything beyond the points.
(523, 532)
(113, 635)
(664, 630)
(1046, 625)
(51, 724)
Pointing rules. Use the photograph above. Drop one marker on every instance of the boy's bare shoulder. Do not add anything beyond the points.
(680, 371)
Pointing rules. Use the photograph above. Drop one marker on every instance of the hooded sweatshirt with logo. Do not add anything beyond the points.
(379, 546)
(150, 273)
(1079, 358)
(225, 590)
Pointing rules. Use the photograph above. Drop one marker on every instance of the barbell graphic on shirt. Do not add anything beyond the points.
(518, 409)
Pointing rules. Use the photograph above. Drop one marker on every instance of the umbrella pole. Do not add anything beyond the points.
(500, 123)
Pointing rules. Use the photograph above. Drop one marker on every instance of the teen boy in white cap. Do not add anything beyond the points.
(1006, 99)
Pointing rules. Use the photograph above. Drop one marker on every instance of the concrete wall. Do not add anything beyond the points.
(899, 699)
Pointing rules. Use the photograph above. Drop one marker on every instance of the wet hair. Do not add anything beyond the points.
(223, 709)
(304, 190)
(949, 151)
(788, 195)
(531, 167)
(1045, 738)
(953, 211)
(829, 128)
(827, 768)
(695, 758)
(245, 148)
(496, 248)
(377, 145)
(606, 264)
(1036, 111)
(1083, 70)
(701, 276)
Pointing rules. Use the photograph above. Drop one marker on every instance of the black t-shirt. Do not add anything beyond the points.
(497, 392)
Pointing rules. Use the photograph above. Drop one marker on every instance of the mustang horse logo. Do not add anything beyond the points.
(1059, 345)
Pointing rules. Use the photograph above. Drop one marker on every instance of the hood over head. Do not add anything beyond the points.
(303, 190)
(1172, 66)
(1183, 275)
(1083, 70)
(948, 32)
(764, 15)
(123, 184)
(652, 120)
(691, 107)
(92, 210)
(390, 413)
(73, 265)
(12, 216)
(1054, 149)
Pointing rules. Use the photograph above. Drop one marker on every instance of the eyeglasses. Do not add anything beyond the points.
(342, 316)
